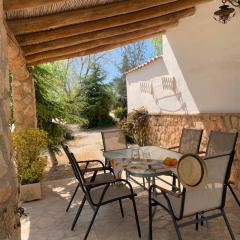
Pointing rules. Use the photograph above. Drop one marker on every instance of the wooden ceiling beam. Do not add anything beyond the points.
(92, 44)
(109, 32)
(41, 23)
(83, 28)
(9, 5)
(16, 59)
(93, 36)
(94, 50)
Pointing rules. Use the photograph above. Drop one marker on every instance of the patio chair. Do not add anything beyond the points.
(106, 176)
(204, 191)
(190, 141)
(222, 142)
(100, 194)
(113, 140)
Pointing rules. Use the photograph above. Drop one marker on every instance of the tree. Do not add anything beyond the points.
(157, 44)
(52, 108)
(119, 82)
(96, 97)
(131, 56)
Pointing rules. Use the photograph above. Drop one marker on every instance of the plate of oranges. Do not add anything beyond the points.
(170, 162)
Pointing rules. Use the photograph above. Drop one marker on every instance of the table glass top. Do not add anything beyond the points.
(148, 163)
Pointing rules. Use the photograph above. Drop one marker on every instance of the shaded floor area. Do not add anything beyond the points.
(47, 220)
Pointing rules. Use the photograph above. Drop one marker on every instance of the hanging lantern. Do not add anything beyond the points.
(225, 12)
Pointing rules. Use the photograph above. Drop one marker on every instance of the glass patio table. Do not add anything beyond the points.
(147, 168)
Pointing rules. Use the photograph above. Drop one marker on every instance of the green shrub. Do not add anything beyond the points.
(28, 144)
(68, 135)
(126, 127)
(120, 113)
(135, 126)
(107, 121)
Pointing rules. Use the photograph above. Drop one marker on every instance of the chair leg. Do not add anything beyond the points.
(121, 207)
(136, 216)
(174, 183)
(228, 225)
(176, 228)
(91, 223)
(202, 221)
(69, 204)
(196, 222)
(150, 217)
(234, 195)
(175, 222)
(78, 213)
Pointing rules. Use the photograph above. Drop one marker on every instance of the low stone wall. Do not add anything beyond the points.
(165, 130)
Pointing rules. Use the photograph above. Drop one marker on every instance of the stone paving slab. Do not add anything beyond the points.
(47, 219)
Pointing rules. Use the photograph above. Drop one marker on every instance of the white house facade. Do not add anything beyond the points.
(199, 71)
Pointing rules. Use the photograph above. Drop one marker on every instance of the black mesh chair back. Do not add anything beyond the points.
(221, 142)
(102, 194)
(79, 175)
(114, 140)
(190, 141)
(68, 153)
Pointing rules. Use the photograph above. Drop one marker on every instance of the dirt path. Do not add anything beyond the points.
(87, 145)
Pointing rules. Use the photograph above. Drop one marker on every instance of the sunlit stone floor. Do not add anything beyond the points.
(47, 220)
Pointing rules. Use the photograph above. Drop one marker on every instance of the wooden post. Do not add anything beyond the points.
(9, 220)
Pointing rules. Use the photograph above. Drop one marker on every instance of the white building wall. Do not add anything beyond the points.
(202, 59)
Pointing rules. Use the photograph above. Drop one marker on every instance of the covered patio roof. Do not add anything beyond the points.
(40, 31)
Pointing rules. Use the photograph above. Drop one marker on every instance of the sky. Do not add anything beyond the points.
(114, 57)
(111, 59)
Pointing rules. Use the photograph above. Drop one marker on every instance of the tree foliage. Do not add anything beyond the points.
(96, 97)
(131, 56)
(157, 43)
(53, 107)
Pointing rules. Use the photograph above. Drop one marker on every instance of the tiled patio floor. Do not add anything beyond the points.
(47, 219)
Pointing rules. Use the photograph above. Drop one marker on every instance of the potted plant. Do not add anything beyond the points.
(28, 145)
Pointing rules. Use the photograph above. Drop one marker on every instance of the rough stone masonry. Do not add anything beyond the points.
(165, 130)
(9, 221)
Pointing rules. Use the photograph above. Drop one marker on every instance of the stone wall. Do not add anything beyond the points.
(165, 130)
(24, 103)
(9, 222)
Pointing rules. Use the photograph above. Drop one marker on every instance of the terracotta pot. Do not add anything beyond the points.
(30, 192)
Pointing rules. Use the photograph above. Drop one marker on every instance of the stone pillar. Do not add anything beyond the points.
(9, 221)
(24, 103)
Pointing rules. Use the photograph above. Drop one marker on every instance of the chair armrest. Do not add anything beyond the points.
(94, 169)
(164, 190)
(92, 184)
(219, 155)
(175, 147)
(87, 168)
(92, 161)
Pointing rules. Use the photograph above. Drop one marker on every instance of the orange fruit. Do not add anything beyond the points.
(173, 162)
(167, 162)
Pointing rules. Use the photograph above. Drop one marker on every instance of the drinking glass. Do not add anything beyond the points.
(135, 154)
(146, 155)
